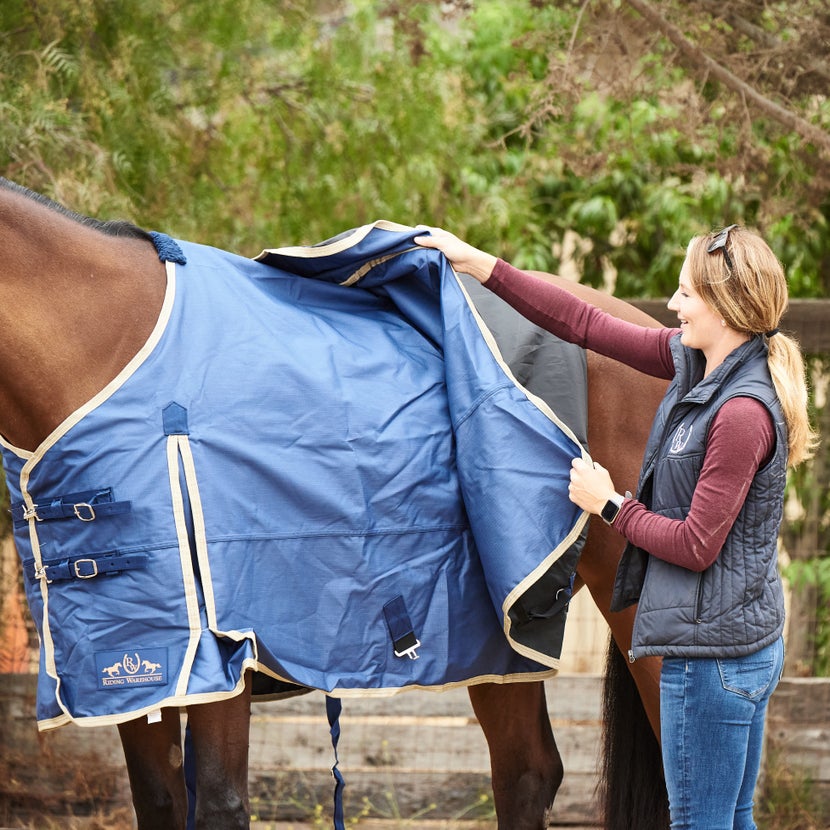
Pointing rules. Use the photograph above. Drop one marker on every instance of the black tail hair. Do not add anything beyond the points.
(632, 787)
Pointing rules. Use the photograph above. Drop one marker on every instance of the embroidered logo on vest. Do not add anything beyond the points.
(681, 438)
(120, 670)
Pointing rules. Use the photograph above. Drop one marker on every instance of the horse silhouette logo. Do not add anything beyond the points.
(112, 671)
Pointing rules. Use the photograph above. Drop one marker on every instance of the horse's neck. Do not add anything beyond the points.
(75, 306)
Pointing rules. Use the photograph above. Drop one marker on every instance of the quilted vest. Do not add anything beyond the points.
(736, 606)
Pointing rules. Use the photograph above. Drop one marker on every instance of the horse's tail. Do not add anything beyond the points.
(632, 786)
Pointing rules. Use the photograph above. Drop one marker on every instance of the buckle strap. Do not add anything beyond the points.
(87, 567)
(404, 641)
(86, 507)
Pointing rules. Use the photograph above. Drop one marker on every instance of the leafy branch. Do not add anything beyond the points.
(705, 65)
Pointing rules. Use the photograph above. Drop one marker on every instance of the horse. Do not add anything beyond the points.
(78, 299)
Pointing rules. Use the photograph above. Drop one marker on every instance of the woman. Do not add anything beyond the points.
(702, 531)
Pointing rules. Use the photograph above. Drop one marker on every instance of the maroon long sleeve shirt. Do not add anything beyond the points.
(741, 437)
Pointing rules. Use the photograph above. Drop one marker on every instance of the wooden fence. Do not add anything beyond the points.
(417, 754)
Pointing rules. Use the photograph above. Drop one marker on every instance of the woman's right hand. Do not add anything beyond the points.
(463, 257)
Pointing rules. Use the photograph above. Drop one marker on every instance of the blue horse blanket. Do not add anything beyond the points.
(318, 467)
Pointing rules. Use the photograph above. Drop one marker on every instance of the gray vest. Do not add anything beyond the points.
(736, 606)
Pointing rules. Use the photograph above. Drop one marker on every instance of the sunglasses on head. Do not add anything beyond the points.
(719, 244)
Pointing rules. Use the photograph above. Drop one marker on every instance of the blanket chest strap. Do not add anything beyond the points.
(87, 567)
(86, 507)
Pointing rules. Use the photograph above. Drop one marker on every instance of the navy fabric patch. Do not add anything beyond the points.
(174, 418)
(127, 669)
(167, 248)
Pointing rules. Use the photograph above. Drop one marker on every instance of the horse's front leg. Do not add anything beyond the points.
(153, 752)
(524, 760)
(220, 737)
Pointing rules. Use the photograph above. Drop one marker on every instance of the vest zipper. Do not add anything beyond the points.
(699, 600)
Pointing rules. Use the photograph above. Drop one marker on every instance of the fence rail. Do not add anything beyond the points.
(808, 320)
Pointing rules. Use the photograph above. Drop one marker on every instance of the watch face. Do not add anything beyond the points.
(609, 512)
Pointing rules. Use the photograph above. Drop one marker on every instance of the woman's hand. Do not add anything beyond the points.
(464, 258)
(591, 486)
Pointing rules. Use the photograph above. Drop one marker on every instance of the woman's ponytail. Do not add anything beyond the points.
(786, 366)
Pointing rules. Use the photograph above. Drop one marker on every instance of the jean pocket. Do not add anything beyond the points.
(750, 676)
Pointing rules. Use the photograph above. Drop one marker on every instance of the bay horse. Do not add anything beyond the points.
(78, 299)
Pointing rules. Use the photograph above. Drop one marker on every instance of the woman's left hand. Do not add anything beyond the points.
(591, 486)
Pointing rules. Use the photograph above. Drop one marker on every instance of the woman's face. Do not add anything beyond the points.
(701, 327)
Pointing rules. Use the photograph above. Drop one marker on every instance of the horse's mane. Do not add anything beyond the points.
(114, 227)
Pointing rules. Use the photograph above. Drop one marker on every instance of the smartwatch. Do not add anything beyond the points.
(611, 509)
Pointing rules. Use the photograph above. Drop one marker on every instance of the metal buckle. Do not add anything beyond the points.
(409, 652)
(31, 513)
(85, 576)
(89, 517)
(40, 573)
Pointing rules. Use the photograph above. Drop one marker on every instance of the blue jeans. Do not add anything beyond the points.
(712, 714)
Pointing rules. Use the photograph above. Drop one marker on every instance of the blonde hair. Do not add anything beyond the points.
(744, 283)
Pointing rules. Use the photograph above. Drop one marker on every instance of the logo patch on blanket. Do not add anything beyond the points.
(121, 669)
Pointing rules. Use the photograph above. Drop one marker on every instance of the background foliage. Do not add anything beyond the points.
(566, 136)
(244, 122)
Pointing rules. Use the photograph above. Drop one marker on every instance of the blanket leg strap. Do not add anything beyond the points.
(333, 708)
